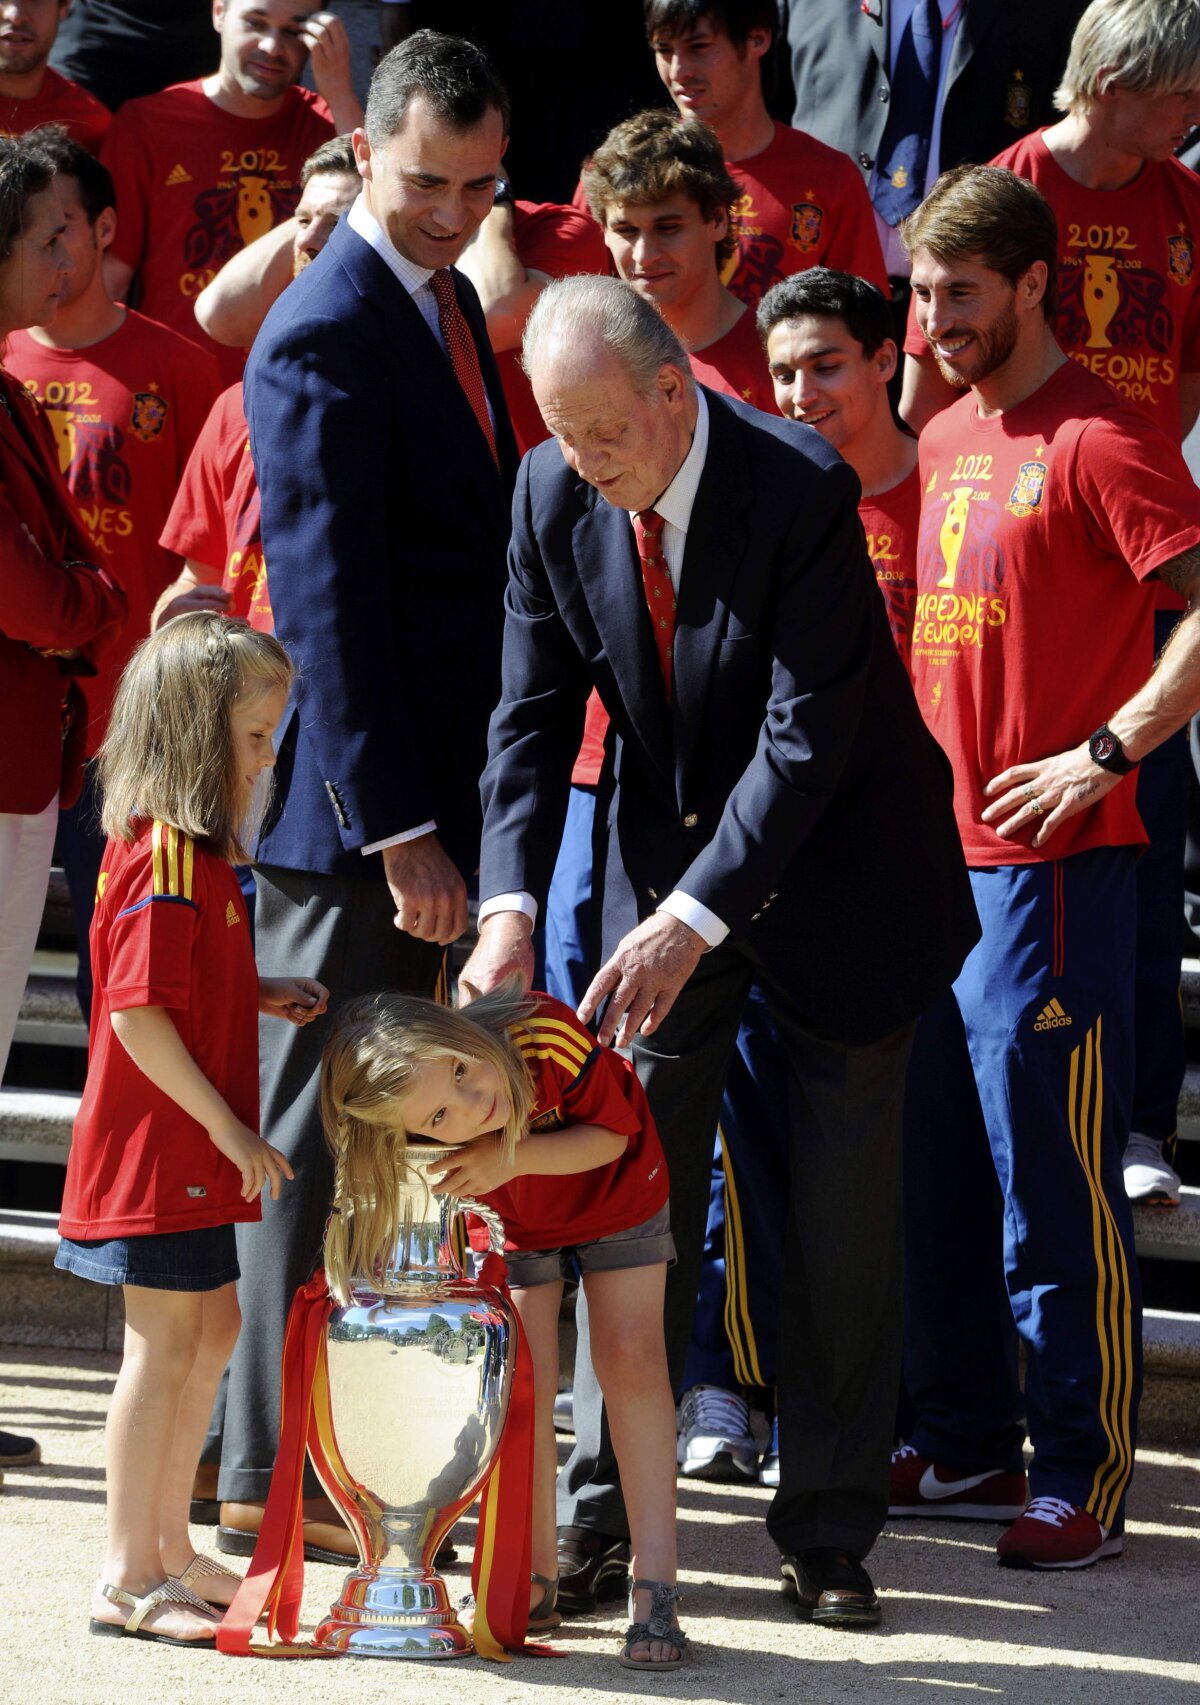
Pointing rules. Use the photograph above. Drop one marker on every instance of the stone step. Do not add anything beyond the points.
(50, 1015)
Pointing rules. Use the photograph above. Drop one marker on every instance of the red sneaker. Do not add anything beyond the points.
(1053, 1534)
(923, 1488)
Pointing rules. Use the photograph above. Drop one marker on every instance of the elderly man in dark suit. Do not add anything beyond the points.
(702, 565)
(385, 460)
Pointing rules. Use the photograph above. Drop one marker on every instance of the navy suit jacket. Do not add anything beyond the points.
(1005, 64)
(384, 526)
(791, 785)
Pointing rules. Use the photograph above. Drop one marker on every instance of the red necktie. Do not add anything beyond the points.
(464, 357)
(656, 579)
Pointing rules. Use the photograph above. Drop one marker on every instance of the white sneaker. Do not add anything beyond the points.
(1148, 1178)
(715, 1441)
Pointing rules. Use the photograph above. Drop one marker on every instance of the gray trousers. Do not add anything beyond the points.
(842, 1303)
(340, 931)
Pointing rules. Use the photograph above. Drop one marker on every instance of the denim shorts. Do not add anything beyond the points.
(642, 1245)
(201, 1260)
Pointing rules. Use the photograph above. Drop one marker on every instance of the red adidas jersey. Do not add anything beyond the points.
(58, 101)
(736, 366)
(577, 1082)
(169, 930)
(195, 185)
(561, 242)
(1029, 627)
(125, 413)
(891, 520)
(802, 204)
(216, 518)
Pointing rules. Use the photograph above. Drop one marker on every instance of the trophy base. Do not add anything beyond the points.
(394, 1613)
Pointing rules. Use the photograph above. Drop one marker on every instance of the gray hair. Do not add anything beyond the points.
(571, 311)
(1146, 46)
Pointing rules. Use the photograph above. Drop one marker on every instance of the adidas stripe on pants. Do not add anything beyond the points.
(1017, 1220)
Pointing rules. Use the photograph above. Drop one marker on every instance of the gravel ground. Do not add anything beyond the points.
(954, 1623)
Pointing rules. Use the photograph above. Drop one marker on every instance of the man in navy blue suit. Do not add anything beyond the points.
(703, 566)
(385, 461)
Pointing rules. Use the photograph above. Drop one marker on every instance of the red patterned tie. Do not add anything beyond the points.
(656, 579)
(464, 357)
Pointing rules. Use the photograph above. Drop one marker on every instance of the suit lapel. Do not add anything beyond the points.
(972, 27)
(429, 367)
(716, 544)
(19, 444)
(610, 579)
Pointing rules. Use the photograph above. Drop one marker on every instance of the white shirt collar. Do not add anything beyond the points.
(362, 220)
(676, 503)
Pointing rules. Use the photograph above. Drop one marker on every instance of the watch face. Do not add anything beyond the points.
(1103, 747)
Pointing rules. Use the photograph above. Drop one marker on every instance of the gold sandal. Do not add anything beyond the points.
(170, 1592)
(196, 1571)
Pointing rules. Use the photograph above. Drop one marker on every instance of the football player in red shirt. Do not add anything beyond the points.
(31, 93)
(205, 168)
(801, 203)
(1046, 500)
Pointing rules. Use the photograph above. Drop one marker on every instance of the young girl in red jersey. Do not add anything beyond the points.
(165, 1156)
(555, 1133)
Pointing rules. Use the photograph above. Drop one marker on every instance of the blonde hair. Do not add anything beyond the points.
(1146, 46)
(168, 753)
(367, 1071)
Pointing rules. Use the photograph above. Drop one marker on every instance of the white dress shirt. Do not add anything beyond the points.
(675, 506)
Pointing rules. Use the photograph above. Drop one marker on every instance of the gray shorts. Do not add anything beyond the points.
(642, 1245)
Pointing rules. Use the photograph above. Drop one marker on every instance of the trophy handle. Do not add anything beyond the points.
(490, 1218)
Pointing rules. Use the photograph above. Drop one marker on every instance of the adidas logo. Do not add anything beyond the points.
(232, 917)
(1051, 1017)
(178, 175)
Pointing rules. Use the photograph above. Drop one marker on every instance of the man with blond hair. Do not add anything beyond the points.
(1047, 501)
(1128, 271)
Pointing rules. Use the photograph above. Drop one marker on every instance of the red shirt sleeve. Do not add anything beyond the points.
(150, 952)
(1137, 497)
(603, 1095)
(196, 525)
(558, 240)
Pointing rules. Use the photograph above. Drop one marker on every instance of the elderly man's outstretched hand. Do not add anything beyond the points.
(504, 950)
(644, 975)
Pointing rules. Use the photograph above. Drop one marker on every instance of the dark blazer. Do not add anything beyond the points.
(384, 529)
(823, 835)
(51, 598)
(1006, 62)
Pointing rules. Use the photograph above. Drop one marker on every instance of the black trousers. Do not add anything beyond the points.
(339, 930)
(842, 1298)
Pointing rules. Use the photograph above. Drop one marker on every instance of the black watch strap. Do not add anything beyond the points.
(1107, 751)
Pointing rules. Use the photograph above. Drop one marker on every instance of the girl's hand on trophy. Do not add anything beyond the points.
(474, 1170)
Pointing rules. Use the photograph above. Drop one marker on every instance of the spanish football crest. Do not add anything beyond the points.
(1181, 258)
(148, 416)
(1026, 494)
(1018, 102)
(807, 220)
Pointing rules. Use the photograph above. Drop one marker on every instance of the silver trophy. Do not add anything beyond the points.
(419, 1373)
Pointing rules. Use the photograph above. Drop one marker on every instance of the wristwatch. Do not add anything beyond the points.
(1105, 749)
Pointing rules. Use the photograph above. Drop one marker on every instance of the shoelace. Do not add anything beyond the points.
(710, 1409)
(904, 1451)
(1055, 1511)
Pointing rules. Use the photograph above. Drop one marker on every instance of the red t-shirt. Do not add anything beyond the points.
(125, 414)
(169, 930)
(561, 242)
(577, 1082)
(891, 520)
(195, 185)
(1029, 627)
(216, 518)
(58, 101)
(736, 366)
(802, 204)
